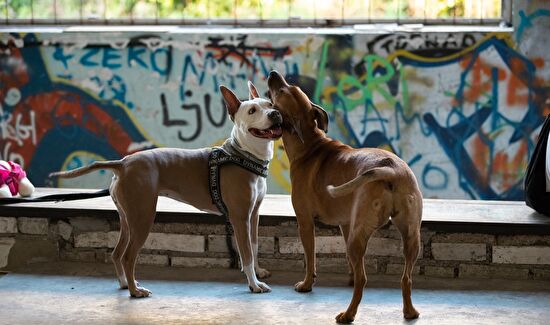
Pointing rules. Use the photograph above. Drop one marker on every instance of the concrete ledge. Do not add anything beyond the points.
(460, 239)
(454, 215)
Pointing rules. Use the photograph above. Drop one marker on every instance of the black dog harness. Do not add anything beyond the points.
(230, 153)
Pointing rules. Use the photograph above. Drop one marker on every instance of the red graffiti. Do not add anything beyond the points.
(507, 169)
(481, 78)
(481, 82)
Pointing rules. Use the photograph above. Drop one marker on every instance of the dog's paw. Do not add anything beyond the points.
(123, 284)
(302, 286)
(344, 318)
(411, 314)
(262, 273)
(259, 287)
(140, 292)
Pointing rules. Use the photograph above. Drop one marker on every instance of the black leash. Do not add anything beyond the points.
(217, 157)
(54, 197)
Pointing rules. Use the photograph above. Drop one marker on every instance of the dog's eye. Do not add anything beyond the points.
(252, 110)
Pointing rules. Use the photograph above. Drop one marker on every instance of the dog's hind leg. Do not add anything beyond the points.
(120, 247)
(118, 251)
(407, 221)
(356, 248)
(140, 216)
(344, 229)
(366, 217)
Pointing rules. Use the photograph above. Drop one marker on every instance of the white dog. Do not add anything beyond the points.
(231, 182)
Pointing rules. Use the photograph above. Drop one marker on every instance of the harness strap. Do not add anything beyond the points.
(218, 157)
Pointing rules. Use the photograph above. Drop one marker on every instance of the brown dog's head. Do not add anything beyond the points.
(299, 113)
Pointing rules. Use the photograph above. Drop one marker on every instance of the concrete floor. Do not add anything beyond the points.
(80, 293)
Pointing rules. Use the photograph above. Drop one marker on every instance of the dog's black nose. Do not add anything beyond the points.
(275, 80)
(275, 117)
(274, 74)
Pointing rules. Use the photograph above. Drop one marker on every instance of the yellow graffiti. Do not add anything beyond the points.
(407, 54)
(328, 92)
(280, 166)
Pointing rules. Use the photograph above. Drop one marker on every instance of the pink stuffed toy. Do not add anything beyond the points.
(13, 180)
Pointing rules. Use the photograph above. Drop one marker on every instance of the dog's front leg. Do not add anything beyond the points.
(306, 227)
(241, 228)
(260, 272)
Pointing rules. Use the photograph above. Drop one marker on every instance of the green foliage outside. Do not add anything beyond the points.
(248, 9)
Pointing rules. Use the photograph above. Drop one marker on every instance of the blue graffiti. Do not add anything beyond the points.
(66, 134)
(160, 59)
(434, 178)
(452, 135)
(527, 21)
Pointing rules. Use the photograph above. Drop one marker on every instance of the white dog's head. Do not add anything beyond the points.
(256, 122)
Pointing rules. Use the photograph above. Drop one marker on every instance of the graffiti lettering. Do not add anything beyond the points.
(111, 58)
(196, 108)
(134, 57)
(112, 88)
(13, 128)
(159, 60)
(371, 84)
(88, 54)
(526, 21)
(236, 47)
(462, 108)
(418, 43)
(434, 178)
(8, 155)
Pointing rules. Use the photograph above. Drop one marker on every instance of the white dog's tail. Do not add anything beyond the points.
(113, 165)
(371, 175)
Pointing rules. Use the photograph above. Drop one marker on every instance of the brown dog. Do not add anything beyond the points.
(183, 174)
(375, 185)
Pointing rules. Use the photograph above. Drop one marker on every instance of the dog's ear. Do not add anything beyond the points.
(231, 101)
(321, 117)
(252, 91)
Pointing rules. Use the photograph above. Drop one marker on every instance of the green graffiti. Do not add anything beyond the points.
(321, 74)
(404, 89)
(365, 89)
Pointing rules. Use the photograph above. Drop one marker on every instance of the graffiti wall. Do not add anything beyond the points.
(463, 109)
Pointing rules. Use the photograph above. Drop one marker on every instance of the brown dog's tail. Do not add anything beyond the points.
(113, 165)
(371, 175)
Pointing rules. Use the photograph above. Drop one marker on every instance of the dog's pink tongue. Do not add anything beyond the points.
(267, 133)
(273, 132)
(276, 132)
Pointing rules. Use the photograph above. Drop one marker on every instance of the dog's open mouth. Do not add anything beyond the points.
(273, 132)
